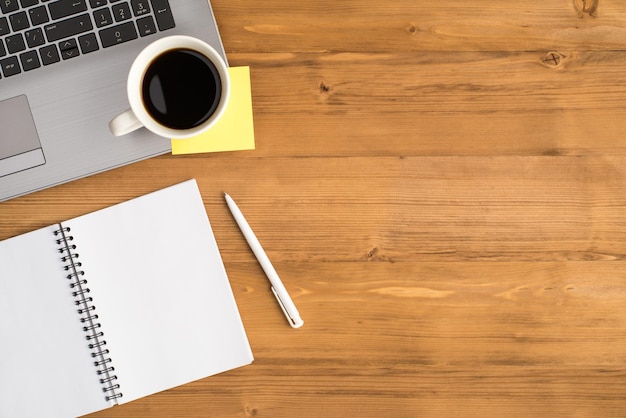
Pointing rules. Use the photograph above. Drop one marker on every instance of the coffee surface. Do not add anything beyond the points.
(181, 89)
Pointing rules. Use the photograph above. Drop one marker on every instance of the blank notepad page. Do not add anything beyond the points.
(161, 291)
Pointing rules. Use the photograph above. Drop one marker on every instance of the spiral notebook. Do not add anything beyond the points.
(113, 306)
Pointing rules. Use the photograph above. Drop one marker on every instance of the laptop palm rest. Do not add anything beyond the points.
(20, 148)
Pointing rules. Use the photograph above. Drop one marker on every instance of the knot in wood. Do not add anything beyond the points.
(586, 7)
(553, 59)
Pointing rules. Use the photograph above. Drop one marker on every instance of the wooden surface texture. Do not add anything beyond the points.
(442, 187)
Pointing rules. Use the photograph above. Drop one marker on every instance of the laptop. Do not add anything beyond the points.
(63, 70)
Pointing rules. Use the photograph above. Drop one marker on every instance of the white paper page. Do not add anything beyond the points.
(45, 366)
(161, 291)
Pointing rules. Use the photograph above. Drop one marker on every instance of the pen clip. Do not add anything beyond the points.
(294, 322)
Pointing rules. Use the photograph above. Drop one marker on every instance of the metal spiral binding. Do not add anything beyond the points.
(88, 317)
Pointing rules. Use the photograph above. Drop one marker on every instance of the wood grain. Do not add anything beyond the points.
(442, 187)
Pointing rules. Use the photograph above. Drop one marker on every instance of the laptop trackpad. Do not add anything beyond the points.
(20, 148)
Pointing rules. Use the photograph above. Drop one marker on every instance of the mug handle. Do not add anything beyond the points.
(124, 123)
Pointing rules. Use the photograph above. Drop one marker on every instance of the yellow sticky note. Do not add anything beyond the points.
(235, 129)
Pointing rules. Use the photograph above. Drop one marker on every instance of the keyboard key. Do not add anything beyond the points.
(88, 43)
(70, 53)
(63, 8)
(34, 37)
(30, 60)
(69, 49)
(140, 7)
(116, 35)
(19, 21)
(163, 14)
(103, 17)
(49, 54)
(69, 27)
(38, 15)
(15, 43)
(10, 66)
(68, 44)
(8, 6)
(28, 3)
(3, 51)
(146, 26)
(97, 3)
(121, 12)
(4, 26)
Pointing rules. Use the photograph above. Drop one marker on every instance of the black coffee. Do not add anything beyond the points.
(181, 89)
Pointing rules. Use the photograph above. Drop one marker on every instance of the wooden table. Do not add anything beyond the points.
(442, 187)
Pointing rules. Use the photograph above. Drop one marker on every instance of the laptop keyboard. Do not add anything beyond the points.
(38, 33)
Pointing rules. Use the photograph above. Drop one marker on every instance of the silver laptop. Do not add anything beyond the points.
(63, 69)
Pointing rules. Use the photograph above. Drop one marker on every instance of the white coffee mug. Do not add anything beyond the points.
(178, 87)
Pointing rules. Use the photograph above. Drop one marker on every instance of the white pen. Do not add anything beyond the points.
(284, 300)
